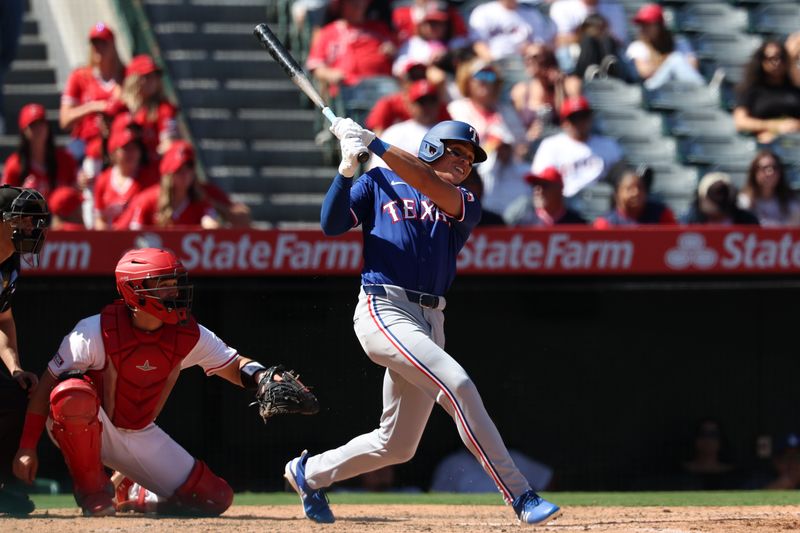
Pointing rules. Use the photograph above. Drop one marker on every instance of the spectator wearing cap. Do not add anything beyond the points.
(65, 205)
(86, 97)
(351, 48)
(482, 107)
(580, 156)
(545, 206)
(429, 44)
(658, 55)
(768, 102)
(716, 203)
(425, 104)
(407, 18)
(396, 107)
(178, 200)
(568, 17)
(143, 96)
(500, 28)
(11, 14)
(633, 205)
(38, 163)
(782, 471)
(116, 186)
(536, 98)
(767, 194)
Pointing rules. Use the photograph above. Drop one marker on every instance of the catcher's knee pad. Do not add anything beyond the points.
(203, 493)
(74, 406)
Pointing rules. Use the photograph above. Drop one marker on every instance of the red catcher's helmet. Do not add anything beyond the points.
(167, 302)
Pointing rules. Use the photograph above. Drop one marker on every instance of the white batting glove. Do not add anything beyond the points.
(351, 147)
(345, 127)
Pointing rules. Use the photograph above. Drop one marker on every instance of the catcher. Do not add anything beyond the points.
(109, 380)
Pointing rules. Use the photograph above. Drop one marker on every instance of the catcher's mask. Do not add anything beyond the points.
(26, 212)
(156, 282)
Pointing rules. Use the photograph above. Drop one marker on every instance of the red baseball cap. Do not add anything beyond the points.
(436, 12)
(649, 14)
(63, 201)
(102, 32)
(421, 88)
(119, 138)
(574, 105)
(123, 121)
(141, 65)
(30, 114)
(179, 153)
(548, 175)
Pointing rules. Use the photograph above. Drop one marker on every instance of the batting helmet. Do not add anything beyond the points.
(432, 146)
(27, 213)
(167, 302)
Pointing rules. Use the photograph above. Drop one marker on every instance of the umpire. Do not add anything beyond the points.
(25, 219)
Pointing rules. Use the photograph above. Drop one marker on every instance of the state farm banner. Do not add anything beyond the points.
(676, 250)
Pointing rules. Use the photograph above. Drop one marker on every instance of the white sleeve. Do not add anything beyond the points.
(210, 353)
(638, 51)
(478, 24)
(559, 14)
(82, 349)
(545, 156)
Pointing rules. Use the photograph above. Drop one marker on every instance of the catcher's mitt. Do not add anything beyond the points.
(287, 396)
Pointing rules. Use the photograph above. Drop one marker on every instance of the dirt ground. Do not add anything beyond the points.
(430, 518)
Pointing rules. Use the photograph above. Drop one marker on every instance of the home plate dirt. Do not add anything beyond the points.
(430, 519)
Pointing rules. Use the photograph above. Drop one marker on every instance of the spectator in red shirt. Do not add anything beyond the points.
(65, 207)
(179, 200)
(396, 107)
(38, 163)
(143, 96)
(632, 204)
(406, 18)
(86, 96)
(351, 48)
(119, 184)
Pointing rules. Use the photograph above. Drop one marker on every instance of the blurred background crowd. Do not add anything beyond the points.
(599, 112)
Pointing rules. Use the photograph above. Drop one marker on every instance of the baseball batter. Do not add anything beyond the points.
(415, 219)
(109, 380)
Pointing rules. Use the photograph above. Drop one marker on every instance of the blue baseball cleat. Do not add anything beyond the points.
(315, 503)
(533, 509)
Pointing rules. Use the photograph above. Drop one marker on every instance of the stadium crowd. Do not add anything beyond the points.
(517, 70)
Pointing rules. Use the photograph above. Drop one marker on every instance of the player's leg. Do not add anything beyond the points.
(13, 401)
(76, 429)
(182, 484)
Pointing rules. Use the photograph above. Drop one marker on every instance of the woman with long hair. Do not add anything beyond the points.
(633, 204)
(86, 96)
(179, 200)
(143, 96)
(38, 163)
(768, 102)
(767, 194)
(658, 55)
(536, 98)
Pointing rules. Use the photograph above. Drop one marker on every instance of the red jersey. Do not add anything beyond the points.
(37, 178)
(144, 207)
(84, 85)
(404, 25)
(157, 128)
(393, 108)
(110, 199)
(357, 50)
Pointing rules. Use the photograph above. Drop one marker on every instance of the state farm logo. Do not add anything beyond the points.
(691, 251)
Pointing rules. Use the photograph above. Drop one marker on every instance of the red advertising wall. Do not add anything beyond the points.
(676, 250)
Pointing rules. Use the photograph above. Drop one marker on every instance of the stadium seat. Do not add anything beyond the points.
(788, 148)
(704, 17)
(594, 200)
(778, 20)
(729, 48)
(737, 170)
(654, 151)
(359, 99)
(612, 94)
(678, 95)
(675, 185)
(711, 151)
(628, 122)
(701, 123)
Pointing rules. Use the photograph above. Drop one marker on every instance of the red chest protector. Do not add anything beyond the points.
(142, 367)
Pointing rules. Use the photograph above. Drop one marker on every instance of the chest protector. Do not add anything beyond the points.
(141, 366)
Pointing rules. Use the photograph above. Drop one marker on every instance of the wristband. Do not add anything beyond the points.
(378, 147)
(248, 374)
(32, 430)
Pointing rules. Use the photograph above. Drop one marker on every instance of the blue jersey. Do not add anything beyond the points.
(408, 240)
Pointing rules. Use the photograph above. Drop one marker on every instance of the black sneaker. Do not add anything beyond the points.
(14, 503)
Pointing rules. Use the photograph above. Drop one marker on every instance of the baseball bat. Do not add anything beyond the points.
(280, 54)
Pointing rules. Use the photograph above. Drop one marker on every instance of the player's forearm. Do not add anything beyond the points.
(39, 401)
(8, 342)
(335, 217)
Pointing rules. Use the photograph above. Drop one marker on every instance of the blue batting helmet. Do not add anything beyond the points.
(432, 146)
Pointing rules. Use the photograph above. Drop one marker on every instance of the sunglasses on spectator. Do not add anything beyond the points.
(767, 166)
(486, 76)
(774, 59)
(459, 154)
